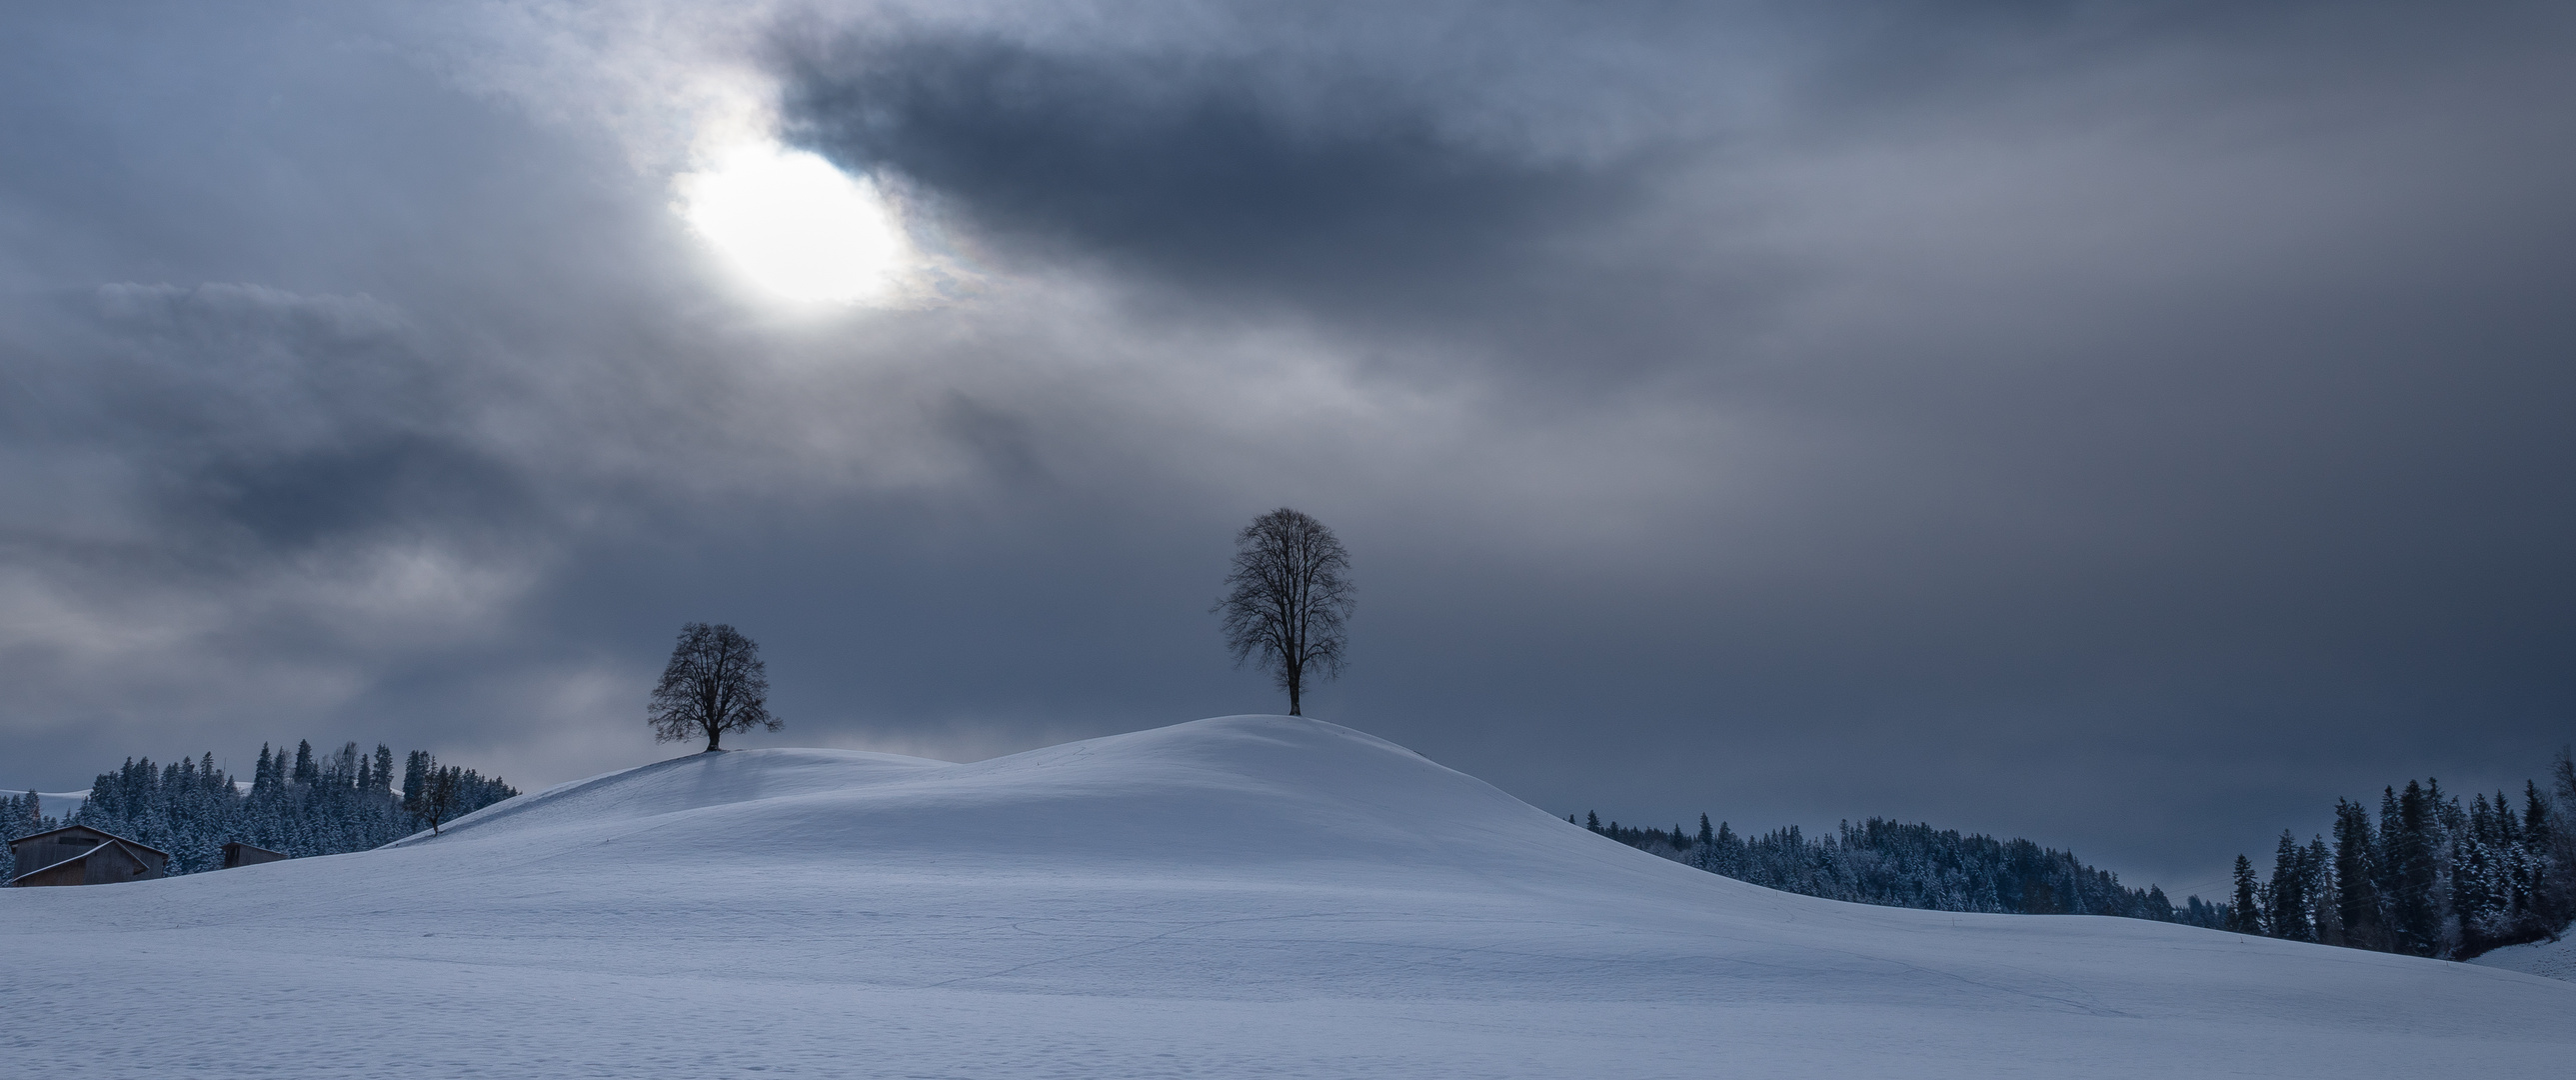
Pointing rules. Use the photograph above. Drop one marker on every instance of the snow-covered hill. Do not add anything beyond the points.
(56, 804)
(2554, 959)
(63, 804)
(1240, 897)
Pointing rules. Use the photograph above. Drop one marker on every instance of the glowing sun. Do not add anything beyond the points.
(793, 225)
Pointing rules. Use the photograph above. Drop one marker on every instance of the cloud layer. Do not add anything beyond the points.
(2129, 425)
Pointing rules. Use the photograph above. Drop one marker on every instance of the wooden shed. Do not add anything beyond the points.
(80, 855)
(241, 854)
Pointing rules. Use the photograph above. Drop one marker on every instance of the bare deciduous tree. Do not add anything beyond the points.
(715, 683)
(440, 795)
(435, 794)
(1287, 599)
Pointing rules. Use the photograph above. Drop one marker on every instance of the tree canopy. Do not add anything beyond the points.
(1288, 600)
(715, 683)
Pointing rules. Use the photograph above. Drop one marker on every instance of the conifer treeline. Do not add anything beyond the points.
(1894, 864)
(303, 805)
(2429, 877)
(20, 815)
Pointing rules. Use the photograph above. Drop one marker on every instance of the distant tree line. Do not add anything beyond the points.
(2429, 877)
(21, 815)
(302, 804)
(1894, 864)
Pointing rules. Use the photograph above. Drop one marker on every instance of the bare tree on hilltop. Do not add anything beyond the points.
(715, 683)
(1287, 599)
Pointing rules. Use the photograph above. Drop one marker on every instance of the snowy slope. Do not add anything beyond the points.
(63, 804)
(54, 804)
(1246, 896)
(2552, 959)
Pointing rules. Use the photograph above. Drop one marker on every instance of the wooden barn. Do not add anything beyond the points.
(80, 855)
(241, 854)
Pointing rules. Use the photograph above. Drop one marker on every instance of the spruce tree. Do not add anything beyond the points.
(2287, 914)
(2480, 893)
(2542, 846)
(2325, 913)
(2245, 916)
(415, 777)
(2414, 907)
(2355, 877)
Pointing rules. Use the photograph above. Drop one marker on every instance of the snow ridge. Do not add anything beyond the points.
(1242, 896)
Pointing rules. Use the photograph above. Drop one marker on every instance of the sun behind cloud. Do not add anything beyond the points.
(794, 226)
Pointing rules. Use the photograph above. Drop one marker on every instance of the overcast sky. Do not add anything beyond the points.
(2126, 425)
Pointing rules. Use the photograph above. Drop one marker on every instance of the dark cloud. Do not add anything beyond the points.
(1328, 187)
(2128, 425)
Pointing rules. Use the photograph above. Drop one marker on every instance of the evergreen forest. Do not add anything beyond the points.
(1894, 864)
(2428, 876)
(303, 804)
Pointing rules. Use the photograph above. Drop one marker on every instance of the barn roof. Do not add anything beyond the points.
(88, 828)
(112, 841)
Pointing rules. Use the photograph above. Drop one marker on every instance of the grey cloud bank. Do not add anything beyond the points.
(2128, 426)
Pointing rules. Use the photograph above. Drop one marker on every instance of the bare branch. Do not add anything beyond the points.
(715, 683)
(1288, 599)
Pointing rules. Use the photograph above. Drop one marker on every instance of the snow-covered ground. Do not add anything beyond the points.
(2553, 959)
(1240, 897)
(63, 804)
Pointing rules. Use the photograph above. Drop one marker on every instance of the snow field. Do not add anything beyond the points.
(1246, 896)
(2550, 959)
